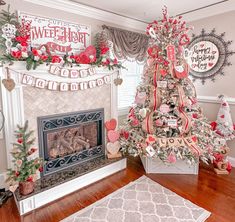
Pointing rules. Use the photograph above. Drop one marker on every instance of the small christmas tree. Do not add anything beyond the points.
(224, 124)
(166, 121)
(26, 164)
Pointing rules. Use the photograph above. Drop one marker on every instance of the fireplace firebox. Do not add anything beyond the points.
(71, 138)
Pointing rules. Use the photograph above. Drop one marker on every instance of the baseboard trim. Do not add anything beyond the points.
(231, 160)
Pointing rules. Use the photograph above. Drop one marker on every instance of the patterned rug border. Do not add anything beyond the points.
(206, 214)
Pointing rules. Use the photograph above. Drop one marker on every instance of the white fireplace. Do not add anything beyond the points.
(26, 102)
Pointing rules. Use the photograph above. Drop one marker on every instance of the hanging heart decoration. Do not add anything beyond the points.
(8, 83)
(118, 81)
(184, 40)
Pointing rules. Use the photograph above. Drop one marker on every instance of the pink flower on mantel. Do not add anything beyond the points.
(171, 158)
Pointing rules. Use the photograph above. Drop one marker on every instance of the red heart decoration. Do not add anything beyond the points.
(194, 139)
(213, 125)
(151, 139)
(202, 45)
(184, 40)
(153, 51)
(224, 104)
(222, 116)
(113, 136)
(126, 135)
(111, 124)
(210, 64)
(163, 72)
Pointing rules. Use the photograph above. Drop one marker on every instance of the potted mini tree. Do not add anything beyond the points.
(26, 163)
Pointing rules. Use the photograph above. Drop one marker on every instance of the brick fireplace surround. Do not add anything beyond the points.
(28, 103)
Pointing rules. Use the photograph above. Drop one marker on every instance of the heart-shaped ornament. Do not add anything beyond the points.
(126, 135)
(118, 81)
(184, 40)
(113, 148)
(9, 84)
(111, 124)
(163, 72)
(13, 188)
(194, 139)
(113, 136)
(222, 116)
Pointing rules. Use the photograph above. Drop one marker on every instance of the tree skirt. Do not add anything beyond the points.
(141, 201)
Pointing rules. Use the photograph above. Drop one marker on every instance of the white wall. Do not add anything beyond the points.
(223, 84)
(96, 26)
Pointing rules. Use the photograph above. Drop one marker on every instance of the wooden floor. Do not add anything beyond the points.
(215, 193)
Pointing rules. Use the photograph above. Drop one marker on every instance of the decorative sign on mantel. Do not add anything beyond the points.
(61, 37)
(207, 55)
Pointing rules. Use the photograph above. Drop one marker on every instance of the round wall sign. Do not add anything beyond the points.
(207, 54)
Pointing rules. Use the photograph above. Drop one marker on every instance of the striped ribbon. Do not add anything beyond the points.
(156, 96)
(194, 148)
(185, 119)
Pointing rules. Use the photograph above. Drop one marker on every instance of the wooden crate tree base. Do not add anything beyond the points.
(153, 165)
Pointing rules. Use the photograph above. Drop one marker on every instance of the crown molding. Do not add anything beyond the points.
(91, 12)
(213, 10)
(214, 99)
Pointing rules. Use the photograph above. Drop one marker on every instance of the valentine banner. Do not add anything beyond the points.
(63, 86)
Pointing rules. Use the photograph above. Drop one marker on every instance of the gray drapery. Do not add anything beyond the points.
(127, 44)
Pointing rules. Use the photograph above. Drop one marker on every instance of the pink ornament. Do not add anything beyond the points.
(135, 122)
(171, 158)
(164, 108)
(140, 97)
(159, 122)
(113, 136)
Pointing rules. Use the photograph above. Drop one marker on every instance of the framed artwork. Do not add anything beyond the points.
(207, 55)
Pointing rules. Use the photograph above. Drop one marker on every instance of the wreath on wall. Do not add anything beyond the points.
(207, 55)
(15, 44)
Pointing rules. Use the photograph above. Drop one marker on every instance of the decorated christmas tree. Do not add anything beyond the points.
(166, 121)
(224, 124)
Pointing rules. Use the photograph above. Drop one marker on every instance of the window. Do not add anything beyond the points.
(126, 92)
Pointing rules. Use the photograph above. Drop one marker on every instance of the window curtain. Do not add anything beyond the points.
(127, 44)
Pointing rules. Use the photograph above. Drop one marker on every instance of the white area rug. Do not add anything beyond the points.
(141, 201)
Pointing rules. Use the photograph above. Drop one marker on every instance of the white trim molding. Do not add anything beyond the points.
(231, 160)
(214, 99)
(87, 11)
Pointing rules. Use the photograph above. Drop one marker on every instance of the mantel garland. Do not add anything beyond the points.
(15, 42)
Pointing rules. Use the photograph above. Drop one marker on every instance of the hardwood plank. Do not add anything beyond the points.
(216, 193)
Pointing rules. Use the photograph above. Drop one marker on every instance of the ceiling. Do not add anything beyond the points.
(149, 10)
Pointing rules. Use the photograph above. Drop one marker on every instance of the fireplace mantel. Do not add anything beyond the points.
(13, 102)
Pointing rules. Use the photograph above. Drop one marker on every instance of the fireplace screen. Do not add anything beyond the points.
(69, 139)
